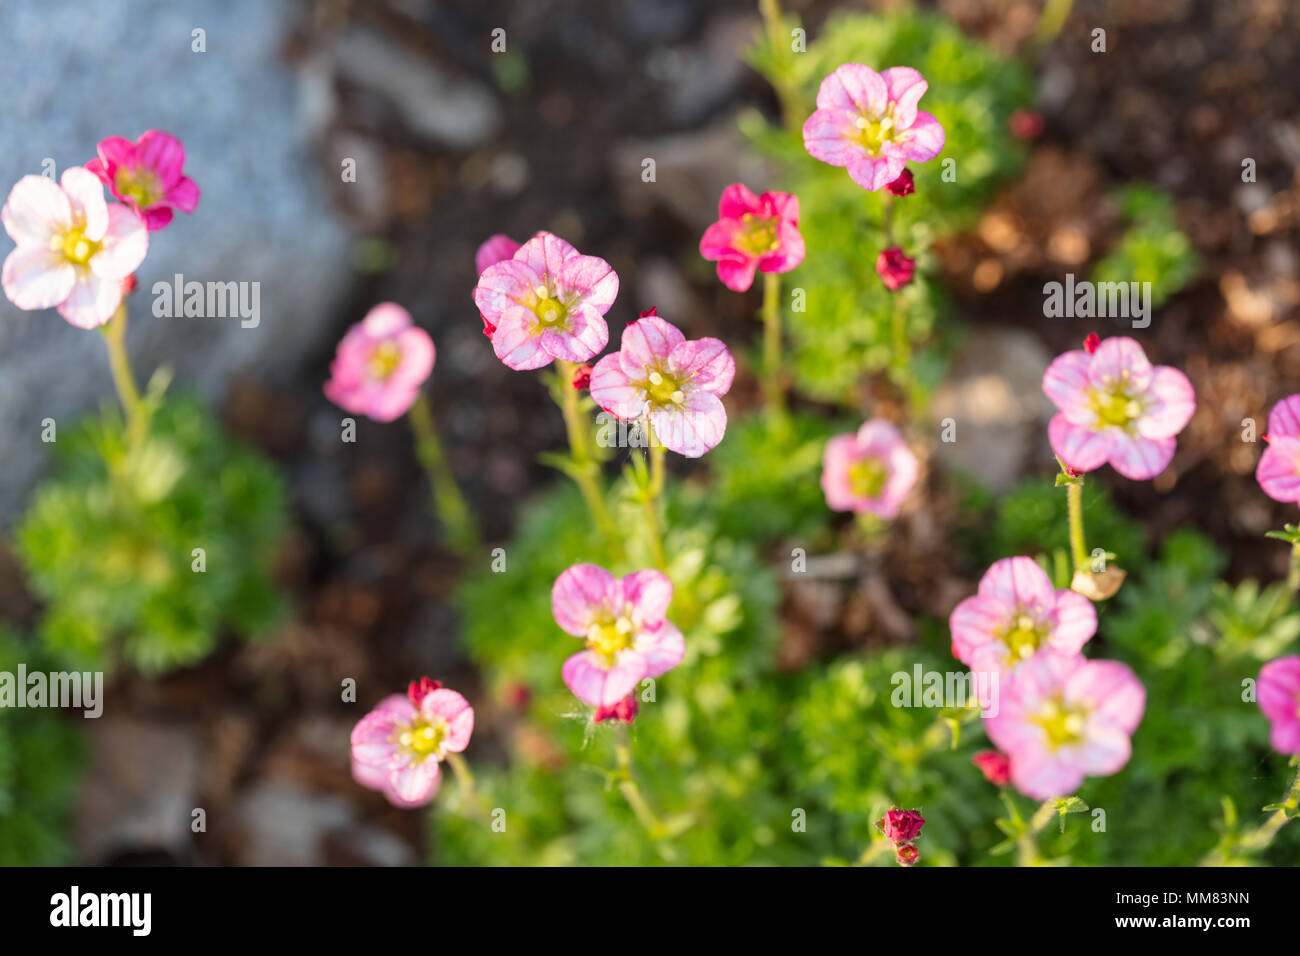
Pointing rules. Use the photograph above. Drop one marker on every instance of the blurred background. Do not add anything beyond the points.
(453, 142)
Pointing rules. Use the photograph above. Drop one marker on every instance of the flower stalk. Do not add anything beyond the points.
(128, 392)
(448, 501)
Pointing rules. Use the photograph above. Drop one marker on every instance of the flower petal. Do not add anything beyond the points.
(36, 211)
(1082, 449)
(692, 428)
(1138, 458)
(1171, 402)
(647, 343)
(578, 596)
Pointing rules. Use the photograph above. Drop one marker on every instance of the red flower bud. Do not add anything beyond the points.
(129, 285)
(995, 766)
(488, 328)
(1092, 343)
(908, 854)
(582, 378)
(901, 826)
(419, 689)
(904, 185)
(653, 310)
(625, 710)
(1025, 124)
(895, 269)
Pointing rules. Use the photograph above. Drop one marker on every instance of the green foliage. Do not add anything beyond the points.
(852, 325)
(766, 484)
(40, 755)
(108, 541)
(1152, 249)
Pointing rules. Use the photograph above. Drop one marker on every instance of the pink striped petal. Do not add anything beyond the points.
(1082, 449)
(579, 594)
(1138, 458)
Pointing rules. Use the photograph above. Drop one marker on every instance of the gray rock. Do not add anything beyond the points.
(140, 792)
(285, 825)
(995, 397)
(75, 73)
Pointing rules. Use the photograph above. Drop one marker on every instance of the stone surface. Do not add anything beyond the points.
(74, 73)
(994, 396)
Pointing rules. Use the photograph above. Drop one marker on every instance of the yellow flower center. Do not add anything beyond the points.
(384, 360)
(873, 132)
(664, 389)
(1115, 405)
(758, 235)
(77, 248)
(607, 637)
(1022, 636)
(867, 477)
(140, 185)
(1062, 725)
(424, 737)
(550, 311)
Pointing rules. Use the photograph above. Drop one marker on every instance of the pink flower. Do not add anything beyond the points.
(380, 364)
(869, 123)
(546, 302)
(398, 746)
(1115, 407)
(496, 249)
(678, 383)
(74, 249)
(1061, 718)
(901, 826)
(622, 621)
(1279, 699)
(994, 765)
(148, 175)
(1016, 614)
(894, 268)
(871, 471)
(1278, 472)
(753, 232)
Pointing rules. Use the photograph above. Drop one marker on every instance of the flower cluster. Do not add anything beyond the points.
(76, 252)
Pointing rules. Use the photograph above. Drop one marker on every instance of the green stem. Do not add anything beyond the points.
(1293, 578)
(1050, 22)
(448, 502)
(875, 849)
(773, 393)
(1259, 838)
(627, 786)
(586, 466)
(650, 498)
(779, 41)
(1027, 844)
(123, 380)
(1074, 504)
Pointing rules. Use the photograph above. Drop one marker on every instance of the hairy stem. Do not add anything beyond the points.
(586, 466)
(773, 393)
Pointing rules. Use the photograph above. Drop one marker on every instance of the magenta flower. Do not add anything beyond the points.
(1279, 699)
(678, 383)
(1116, 407)
(753, 233)
(622, 621)
(895, 268)
(1016, 614)
(1062, 718)
(901, 826)
(496, 249)
(1278, 472)
(397, 747)
(871, 471)
(994, 765)
(148, 175)
(868, 122)
(546, 302)
(380, 364)
(74, 249)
